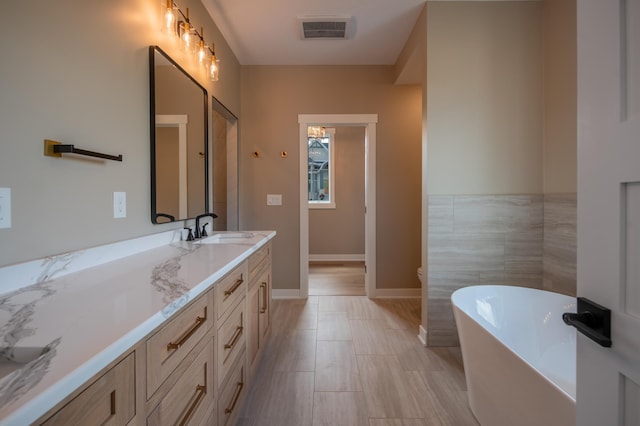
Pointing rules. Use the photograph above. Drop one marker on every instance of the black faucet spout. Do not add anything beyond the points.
(198, 233)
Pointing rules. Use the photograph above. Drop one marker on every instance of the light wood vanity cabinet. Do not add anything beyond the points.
(258, 304)
(188, 400)
(180, 366)
(233, 393)
(231, 347)
(170, 345)
(110, 400)
(192, 370)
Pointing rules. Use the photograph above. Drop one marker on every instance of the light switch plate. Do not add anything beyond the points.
(5, 208)
(274, 199)
(119, 205)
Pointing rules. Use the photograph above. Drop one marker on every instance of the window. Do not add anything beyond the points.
(322, 170)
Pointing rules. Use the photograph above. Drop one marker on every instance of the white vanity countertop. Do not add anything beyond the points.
(90, 317)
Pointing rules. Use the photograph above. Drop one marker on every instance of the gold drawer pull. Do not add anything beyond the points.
(235, 338)
(237, 284)
(201, 392)
(199, 321)
(263, 309)
(229, 410)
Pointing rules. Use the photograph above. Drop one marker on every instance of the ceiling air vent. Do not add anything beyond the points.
(325, 27)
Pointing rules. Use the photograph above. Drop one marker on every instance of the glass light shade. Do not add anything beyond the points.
(168, 18)
(202, 54)
(214, 68)
(186, 37)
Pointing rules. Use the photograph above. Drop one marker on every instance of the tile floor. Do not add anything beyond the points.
(336, 278)
(348, 360)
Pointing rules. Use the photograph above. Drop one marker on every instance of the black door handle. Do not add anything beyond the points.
(592, 320)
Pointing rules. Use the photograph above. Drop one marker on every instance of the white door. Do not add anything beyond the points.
(608, 379)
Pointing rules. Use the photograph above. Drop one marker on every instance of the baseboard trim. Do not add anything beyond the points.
(336, 257)
(398, 293)
(285, 294)
(422, 336)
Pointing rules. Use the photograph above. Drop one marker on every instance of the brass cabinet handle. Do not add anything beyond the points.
(237, 284)
(235, 338)
(201, 391)
(199, 321)
(229, 410)
(263, 309)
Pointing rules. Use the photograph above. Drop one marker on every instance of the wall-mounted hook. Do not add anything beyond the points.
(256, 154)
(283, 154)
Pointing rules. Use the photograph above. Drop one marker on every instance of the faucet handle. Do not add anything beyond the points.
(204, 230)
(190, 236)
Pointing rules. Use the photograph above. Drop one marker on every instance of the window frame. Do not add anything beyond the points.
(331, 204)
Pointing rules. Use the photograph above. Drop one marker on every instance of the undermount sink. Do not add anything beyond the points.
(228, 238)
(17, 358)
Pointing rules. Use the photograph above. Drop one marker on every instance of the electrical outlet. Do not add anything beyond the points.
(119, 205)
(274, 199)
(5, 208)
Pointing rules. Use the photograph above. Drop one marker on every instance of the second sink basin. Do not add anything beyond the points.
(228, 238)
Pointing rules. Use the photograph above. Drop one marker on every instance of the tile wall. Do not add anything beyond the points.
(559, 247)
(496, 239)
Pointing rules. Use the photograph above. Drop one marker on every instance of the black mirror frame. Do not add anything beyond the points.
(152, 120)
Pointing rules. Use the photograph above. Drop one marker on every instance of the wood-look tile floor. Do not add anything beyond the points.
(336, 279)
(349, 360)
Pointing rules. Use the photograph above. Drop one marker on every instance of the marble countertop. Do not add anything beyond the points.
(88, 318)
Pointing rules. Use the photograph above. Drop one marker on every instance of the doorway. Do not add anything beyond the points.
(224, 167)
(336, 211)
(368, 121)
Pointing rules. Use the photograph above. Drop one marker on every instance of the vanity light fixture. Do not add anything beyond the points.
(177, 23)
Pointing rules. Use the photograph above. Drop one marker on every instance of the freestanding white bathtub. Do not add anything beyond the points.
(519, 356)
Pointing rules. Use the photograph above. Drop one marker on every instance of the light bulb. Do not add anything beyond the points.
(169, 18)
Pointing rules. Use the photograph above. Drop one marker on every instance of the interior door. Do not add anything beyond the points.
(608, 379)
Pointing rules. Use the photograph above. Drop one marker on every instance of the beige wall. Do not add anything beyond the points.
(79, 73)
(484, 91)
(560, 96)
(341, 230)
(272, 98)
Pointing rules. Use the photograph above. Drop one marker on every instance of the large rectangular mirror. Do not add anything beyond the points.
(179, 148)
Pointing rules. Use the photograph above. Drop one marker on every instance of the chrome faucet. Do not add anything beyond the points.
(203, 232)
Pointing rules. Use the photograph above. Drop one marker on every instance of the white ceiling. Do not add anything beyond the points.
(266, 32)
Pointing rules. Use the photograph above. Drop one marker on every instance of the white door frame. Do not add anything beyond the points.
(368, 121)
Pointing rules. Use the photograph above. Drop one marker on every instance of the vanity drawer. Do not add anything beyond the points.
(168, 347)
(110, 400)
(256, 259)
(190, 399)
(232, 394)
(231, 341)
(230, 289)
